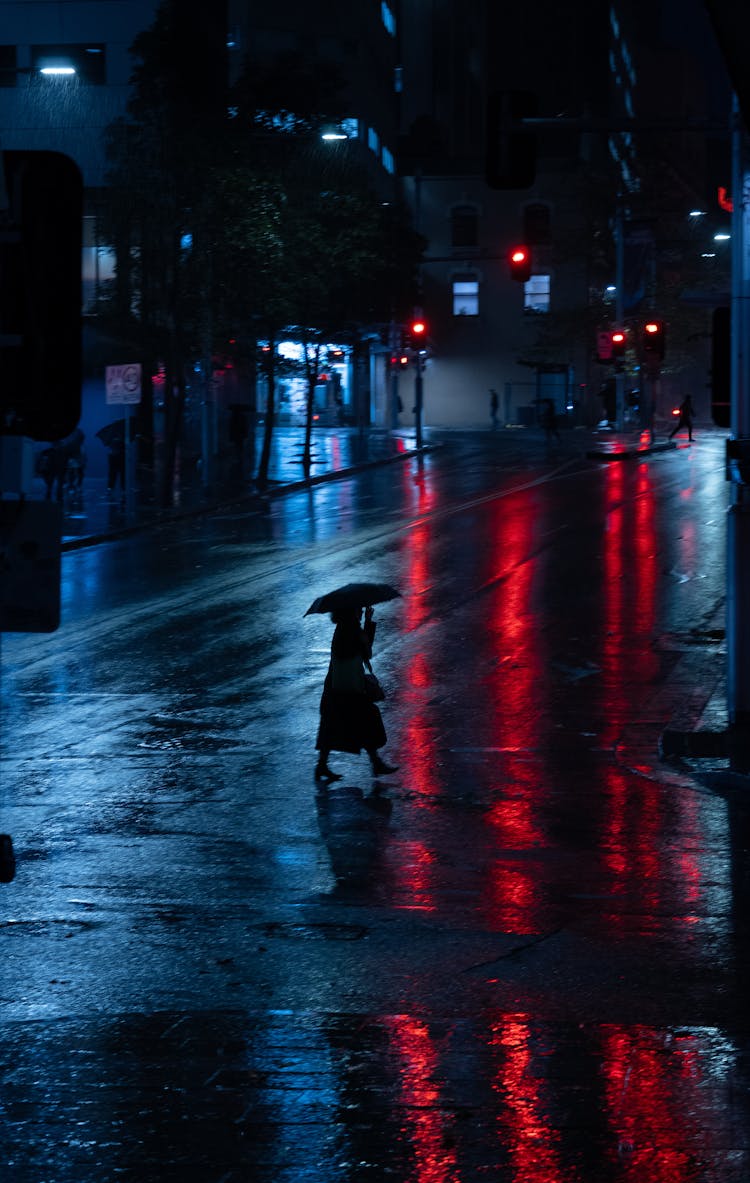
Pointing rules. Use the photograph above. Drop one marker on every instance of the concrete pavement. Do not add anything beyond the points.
(496, 1083)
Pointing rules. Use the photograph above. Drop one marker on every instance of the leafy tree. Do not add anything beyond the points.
(240, 226)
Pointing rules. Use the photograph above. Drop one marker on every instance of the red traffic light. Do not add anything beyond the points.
(520, 263)
(418, 328)
(654, 339)
(619, 341)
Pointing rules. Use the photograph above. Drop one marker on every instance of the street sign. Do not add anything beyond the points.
(123, 384)
(30, 546)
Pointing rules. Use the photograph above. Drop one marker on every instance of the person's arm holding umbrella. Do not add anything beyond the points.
(368, 628)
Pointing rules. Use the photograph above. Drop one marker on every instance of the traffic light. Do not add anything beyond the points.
(721, 391)
(416, 335)
(40, 295)
(520, 263)
(619, 341)
(653, 340)
(510, 155)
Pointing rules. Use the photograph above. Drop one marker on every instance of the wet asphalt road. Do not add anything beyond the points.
(522, 957)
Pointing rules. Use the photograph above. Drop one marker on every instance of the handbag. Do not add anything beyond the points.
(373, 689)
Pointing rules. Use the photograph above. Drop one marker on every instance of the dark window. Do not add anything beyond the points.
(8, 74)
(464, 226)
(88, 60)
(536, 224)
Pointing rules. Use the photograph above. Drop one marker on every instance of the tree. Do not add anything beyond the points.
(239, 225)
(160, 159)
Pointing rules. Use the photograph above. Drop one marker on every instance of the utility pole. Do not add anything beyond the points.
(738, 464)
(619, 310)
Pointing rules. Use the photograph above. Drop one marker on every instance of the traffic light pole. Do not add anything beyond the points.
(619, 312)
(418, 398)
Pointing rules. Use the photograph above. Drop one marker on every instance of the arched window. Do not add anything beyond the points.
(464, 226)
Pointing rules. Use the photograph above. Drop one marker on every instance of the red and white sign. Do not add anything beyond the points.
(123, 384)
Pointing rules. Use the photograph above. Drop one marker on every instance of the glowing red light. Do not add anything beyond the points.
(419, 327)
(651, 327)
(618, 338)
(519, 255)
(725, 200)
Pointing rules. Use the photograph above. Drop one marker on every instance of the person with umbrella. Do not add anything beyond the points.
(349, 718)
(112, 436)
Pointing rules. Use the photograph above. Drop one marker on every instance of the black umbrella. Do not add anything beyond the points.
(353, 595)
(112, 434)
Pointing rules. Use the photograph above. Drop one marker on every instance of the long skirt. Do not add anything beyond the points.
(349, 723)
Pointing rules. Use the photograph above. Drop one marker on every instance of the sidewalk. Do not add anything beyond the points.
(96, 515)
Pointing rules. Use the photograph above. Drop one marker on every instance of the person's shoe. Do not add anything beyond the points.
(323, 772)
(380, 768)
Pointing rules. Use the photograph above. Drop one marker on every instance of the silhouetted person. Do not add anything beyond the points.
(494, 407)
(687, 411)
(51, 466)
(549, 420)
(349, 719)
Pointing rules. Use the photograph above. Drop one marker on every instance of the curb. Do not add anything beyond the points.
(615, 452)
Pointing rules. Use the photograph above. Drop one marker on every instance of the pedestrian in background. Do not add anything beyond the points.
(349, 719)
(494, 407)
(687, 411)
(549, 420)
(51, 466)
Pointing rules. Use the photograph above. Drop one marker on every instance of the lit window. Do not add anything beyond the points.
(465, 297)
(373, 140)
(389, 163)
(350, 127)
(536, 293)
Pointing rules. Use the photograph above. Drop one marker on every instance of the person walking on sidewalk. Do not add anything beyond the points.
(687, 411)
(349, 719)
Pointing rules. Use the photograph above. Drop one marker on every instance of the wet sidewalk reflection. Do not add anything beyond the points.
(276, 1098)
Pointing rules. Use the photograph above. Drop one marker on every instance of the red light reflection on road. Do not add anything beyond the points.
(513, 627)
(413, 862)
(512, 889)
(424, 1120)
(630, 573)
(514, 893)
(525, 1129)
(646, 1078)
